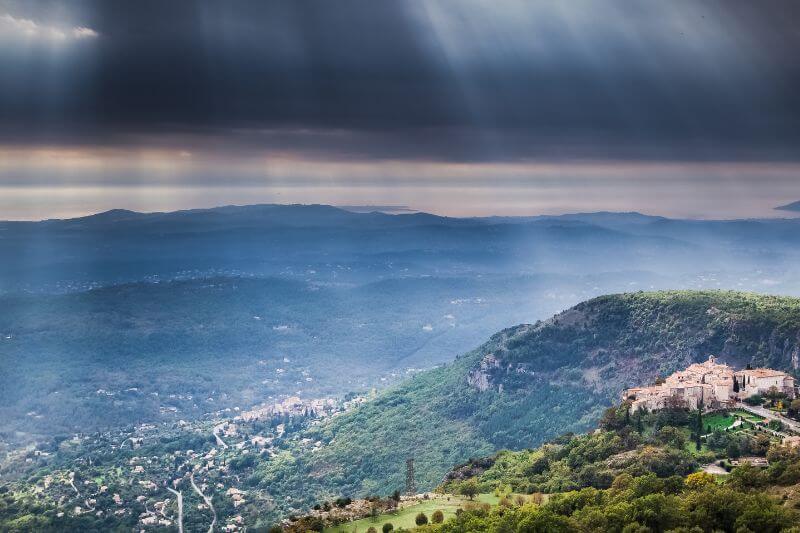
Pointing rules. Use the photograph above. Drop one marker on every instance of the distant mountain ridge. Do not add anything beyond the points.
(311, 210)
(794, 206)
(122, 246)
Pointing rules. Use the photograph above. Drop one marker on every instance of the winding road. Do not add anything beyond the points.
(766, 413)
(207, 500)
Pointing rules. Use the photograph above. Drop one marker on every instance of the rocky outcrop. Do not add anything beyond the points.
(480, 378)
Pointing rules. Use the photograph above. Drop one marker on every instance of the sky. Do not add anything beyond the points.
(459, 107)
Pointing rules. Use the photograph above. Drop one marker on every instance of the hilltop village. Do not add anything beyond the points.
(709, 385)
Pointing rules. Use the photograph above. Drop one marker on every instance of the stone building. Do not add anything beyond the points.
(709, 384)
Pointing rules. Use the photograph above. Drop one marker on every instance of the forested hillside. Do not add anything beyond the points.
(635, 473)
(120, 355)
(532, 382)
(642, 472)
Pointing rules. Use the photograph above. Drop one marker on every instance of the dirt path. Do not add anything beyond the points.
(207, 500)
(715, 469)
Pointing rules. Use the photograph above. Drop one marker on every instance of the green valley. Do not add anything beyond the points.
(520, 390)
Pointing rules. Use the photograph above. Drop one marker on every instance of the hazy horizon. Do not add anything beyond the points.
(150, 207)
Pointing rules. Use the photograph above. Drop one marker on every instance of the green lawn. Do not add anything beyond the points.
(717, 421)
(722, 421)
(405, 517)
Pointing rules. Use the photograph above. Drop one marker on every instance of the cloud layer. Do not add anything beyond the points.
(451, 82)
(21, 28)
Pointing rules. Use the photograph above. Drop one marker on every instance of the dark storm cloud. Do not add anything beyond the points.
(454, 80)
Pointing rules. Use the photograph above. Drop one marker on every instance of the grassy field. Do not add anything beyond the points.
(405, 517)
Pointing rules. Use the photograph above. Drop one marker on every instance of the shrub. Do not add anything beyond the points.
(387, 527)
(437, 517)
(698, 480)
(421, 519)
(343, 502)
(755, 399)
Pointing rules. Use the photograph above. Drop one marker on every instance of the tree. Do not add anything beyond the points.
(794, 408)
(387, 527)
(672, 436)
(747, 476)
(717, 440)
(502, 491)
(732, 449)
(372, 530)
(437, 517)
(469, 488)
(421, 519)
(735, 385)
(615, 418)
(774, 394)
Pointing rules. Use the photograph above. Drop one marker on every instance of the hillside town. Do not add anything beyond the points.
(165, 475)
(710, 385)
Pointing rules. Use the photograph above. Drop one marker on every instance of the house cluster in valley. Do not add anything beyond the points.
(711, 385)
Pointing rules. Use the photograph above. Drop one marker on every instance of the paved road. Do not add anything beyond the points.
(766, 413)
(205, 499)
(220, 442)
(179, 495)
